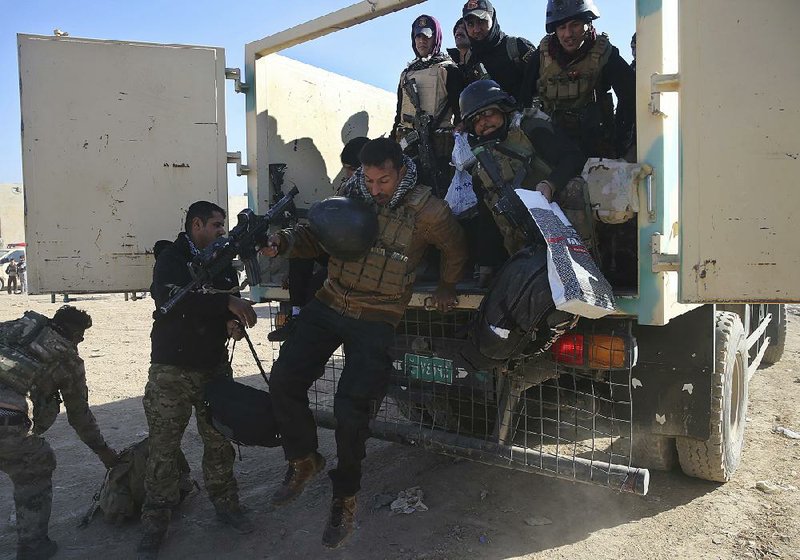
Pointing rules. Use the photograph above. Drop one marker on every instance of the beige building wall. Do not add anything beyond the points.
(12, 214)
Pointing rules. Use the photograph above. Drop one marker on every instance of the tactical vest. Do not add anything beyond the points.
(385, 268)
(432, 87)
(29, 348)
(515, 151)
(570, 88)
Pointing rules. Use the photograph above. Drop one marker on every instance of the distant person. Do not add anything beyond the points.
(302, 281)
(12, 270)
(574, 74)
(505, 58)
(438, 82)
(22, 269)
(42, 368)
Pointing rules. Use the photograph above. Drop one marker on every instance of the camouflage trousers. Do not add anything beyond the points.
(29, 461)
(169, 397)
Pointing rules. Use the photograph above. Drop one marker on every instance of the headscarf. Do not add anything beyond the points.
(436, 55)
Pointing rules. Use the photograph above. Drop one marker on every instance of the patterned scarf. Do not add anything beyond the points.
(192, 249)
(356, 186)
(423, 63)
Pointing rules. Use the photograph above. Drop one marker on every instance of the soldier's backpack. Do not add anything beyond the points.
(122, 494)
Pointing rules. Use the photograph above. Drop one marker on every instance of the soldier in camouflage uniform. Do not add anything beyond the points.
(189, 349)
(40, 366)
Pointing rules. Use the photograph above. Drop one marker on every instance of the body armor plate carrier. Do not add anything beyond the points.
(385, 268)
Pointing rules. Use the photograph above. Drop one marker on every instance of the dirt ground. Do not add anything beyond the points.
(475, 511)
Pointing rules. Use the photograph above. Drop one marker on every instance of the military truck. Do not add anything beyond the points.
(108, 165)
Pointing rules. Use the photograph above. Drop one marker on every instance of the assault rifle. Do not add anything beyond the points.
(509, 205)
(424, 125)
(251, 230)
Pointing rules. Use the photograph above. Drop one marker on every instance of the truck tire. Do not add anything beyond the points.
(717, 457)
(653, 451)
(776, 331)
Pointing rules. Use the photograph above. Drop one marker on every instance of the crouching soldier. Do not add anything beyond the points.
(369, 285)
(523, 139)
(40, 366)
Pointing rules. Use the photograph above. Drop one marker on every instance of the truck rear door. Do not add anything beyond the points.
(118, 138)
(740, 147)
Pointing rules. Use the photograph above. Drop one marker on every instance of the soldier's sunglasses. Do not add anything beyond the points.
(483, 114)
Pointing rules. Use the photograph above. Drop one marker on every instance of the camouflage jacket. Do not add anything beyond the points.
(59, 376)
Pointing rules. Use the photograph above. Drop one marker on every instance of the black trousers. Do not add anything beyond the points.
(361, 388)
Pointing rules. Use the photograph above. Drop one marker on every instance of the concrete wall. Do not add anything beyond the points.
(12, 214)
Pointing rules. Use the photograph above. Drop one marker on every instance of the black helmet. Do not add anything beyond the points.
(559, 11)
(481, 94)
(345, 227)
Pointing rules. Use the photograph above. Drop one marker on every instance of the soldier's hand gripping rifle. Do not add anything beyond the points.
(251, 231)
(509, 204)
(424, 125)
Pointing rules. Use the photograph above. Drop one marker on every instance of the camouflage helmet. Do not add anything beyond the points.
(482, 94)
(560, 11)
(345, 227)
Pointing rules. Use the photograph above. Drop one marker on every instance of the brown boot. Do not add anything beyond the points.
(341, 521)
(299, 473)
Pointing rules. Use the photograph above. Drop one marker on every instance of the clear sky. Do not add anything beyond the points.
(374, 52)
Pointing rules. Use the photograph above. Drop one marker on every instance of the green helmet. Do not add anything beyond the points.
(345, 227)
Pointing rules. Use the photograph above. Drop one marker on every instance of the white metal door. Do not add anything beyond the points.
(118, 139)
(740, 145)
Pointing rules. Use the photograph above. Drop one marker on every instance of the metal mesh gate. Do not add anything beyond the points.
(536, 414)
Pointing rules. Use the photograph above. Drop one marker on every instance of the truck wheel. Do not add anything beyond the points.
(717, 458)
(776, 331)
(655, 452)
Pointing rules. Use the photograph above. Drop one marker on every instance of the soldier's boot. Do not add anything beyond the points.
(232, 514)
(298, 475)
(38, 550)
(153, 536)
(341, 521)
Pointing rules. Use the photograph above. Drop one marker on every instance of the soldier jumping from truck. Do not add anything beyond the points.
(376, 236)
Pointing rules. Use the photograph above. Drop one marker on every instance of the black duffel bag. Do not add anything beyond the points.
(241, 413)
(517, 317)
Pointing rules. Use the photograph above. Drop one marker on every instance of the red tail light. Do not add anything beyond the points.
(568, 350)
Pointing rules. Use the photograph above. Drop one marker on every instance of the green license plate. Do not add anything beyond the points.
(424, 368)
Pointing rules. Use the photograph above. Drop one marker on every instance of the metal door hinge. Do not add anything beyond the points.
(236, 75)
(236, 157)
(663, 261)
